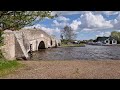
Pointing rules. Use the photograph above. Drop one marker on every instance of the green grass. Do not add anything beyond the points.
(7, 67)
(73, 45)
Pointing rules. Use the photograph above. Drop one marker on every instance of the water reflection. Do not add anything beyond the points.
(80, 53)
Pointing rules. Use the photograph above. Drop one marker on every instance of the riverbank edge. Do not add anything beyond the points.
(73, 45)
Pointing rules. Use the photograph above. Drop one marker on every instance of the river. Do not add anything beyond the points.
(88, 52)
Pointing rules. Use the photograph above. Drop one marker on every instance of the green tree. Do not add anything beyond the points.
(116, 35)
(16, 20)
(68, 33)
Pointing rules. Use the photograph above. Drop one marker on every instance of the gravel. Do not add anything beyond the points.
(73, 69)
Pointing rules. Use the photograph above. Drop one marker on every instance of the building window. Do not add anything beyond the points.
(113, 41)
(107, 41)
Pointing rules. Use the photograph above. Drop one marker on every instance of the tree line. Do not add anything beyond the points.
(68, 35)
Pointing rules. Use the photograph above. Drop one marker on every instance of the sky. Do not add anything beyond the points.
(86, 24)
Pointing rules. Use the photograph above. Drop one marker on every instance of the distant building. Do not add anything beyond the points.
(76, 42)
(106, 40)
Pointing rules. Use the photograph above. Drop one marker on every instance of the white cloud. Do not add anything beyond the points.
(47, 18)
(62, 18)
(89, 20)
(56, 22)
(100, 34)
(75, 24)
(107, 34)
(98, 31)
(87, 29)
(76, 32)
(50, 30)
(106, 12)
(59, 24)
(60, 21)
(116, 22)
(47, 30)
(118, 17)
(82, 12)
(66, 12)
(110, 12)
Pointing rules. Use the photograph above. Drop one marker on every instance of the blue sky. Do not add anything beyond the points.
(86, 24)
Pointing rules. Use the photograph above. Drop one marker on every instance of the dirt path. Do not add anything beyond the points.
(76, 69)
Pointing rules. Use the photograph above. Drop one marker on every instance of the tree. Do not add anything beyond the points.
(16, 20)
(68, 33)
(116, 35)
(61, 36)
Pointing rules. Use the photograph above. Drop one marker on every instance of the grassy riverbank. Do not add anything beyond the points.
(7, 67)
(73, 45)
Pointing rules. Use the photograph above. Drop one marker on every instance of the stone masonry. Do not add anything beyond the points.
(17, 43)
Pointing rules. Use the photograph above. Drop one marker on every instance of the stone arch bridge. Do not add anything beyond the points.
(17, 44)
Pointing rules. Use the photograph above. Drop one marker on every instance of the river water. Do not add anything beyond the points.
(88, 52)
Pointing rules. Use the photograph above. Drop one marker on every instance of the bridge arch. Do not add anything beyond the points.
(51, 42)
(58, 44)
(41, 45)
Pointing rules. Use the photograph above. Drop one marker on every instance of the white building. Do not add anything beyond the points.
(106, 40)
